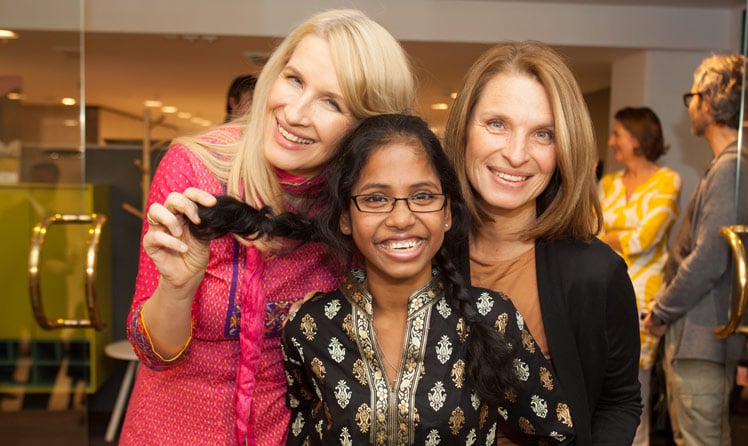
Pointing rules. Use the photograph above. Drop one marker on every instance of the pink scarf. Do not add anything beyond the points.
(253, 313)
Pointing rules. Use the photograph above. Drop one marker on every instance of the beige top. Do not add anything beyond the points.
(517, 279)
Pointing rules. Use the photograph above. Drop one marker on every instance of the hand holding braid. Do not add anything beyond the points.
(230, 215)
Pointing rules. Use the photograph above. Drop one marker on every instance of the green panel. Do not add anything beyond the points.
(62, 283)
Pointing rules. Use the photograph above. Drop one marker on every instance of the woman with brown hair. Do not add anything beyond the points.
(521, 139)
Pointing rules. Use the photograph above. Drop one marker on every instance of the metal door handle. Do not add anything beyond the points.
(739, 293)
(37, 243)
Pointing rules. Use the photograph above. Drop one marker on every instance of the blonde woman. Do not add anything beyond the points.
(206, 318)
(640, 205)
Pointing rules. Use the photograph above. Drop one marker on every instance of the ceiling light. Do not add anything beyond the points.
(6, 34)
(68, 101)
(70, 123)
(453, 95)
(152, 103)
(184, 115)
(201, 121)
(168, 109)
(14, 96)
(439, 106)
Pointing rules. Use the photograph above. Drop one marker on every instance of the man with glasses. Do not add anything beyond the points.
(700, 367)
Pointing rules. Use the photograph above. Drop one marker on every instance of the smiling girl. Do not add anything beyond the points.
(403, 352)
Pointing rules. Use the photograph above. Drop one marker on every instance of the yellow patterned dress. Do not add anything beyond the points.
(339, 394)
(643, 223)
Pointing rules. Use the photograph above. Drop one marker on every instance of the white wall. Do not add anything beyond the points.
(623, 25)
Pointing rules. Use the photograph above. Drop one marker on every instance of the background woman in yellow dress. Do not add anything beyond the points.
(640, 205)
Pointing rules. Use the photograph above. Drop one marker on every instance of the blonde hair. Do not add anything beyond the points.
(569, 206)
(375, 77)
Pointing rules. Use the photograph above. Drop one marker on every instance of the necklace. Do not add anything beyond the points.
(394, 369)
(386, 360)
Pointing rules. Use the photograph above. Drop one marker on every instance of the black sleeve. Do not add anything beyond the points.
(616, 415)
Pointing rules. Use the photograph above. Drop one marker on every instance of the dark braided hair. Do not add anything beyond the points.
(489, 355)
(232, 216)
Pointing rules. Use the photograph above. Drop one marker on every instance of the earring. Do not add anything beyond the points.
(446, 225)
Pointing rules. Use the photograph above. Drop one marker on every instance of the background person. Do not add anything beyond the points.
(521, 139)
(640, 205)
(700, 367)
(206, 317)
(239, 96)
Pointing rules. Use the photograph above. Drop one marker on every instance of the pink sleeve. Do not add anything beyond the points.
(179, 169)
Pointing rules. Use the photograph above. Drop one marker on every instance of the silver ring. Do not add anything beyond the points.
(151, 221)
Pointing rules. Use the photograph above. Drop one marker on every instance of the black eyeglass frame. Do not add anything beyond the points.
(688, 96)
(395, 200)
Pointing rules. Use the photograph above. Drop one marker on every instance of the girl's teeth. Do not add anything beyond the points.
(293, 138)
(402, 245)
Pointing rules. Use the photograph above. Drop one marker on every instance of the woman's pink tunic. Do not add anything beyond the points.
(191, 399)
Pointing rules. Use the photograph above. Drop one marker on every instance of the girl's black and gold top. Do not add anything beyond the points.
(338, 390)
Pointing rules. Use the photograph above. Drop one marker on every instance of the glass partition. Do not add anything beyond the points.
(54, 264)
(737, 234)
(741, 180)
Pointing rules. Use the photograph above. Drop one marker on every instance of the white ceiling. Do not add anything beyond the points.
(685, 3)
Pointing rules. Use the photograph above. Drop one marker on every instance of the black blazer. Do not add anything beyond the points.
(589, 311)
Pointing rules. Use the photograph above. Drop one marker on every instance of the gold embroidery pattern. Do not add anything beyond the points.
(458, 373)
(501, 323)
(456, 420)
(363, 418)
(546, 378)
(564, 414)
(526, 426)
(411, 370)
(348, 327)
(318, 368)
(462, 329)
(359, 371)
(373, 368)
(386, 413)
(385, 405)
(527, 341)
(308, 327)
